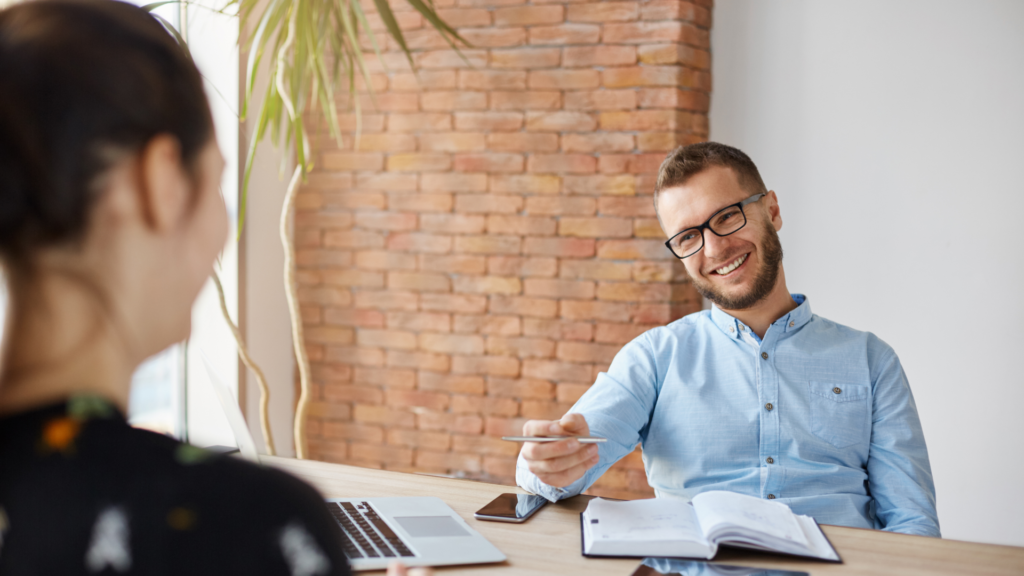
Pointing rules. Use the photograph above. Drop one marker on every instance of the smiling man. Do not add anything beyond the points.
(757, 395)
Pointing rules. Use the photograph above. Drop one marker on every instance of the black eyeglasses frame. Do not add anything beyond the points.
(707, 225)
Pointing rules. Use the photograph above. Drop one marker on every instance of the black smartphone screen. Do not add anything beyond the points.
(512, 506)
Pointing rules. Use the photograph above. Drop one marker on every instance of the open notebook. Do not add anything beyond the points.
(678, 529)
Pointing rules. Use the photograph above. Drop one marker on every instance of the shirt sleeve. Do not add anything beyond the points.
(617, 407)
(899, 473)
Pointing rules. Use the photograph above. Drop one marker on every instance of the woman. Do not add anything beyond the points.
(110, 221)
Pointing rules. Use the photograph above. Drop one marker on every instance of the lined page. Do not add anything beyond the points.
(643, 520)
(720, 511)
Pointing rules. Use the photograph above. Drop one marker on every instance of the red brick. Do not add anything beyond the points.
(420, 162)
(385, 143)
(387, 339)
(329, 334)
(354, 317)
(494, 37)
(522, 142)
(492, 162)
(370, 122)
(633, 250)
(419, 242)
(349, 431)
(420, 122)
(325, 219)
(387, 377)
(526, 183)
(430, 400)
(603, 12)
(601, 185)
(485, 405)
(659, 141)
(492, 80)
(634, 292)
(556, 370)
(492, 365)
(467, 303)
(558, 329)
(557, 288)
(421, 202)
(562, 247)
(337, 393)
(438, 59)
(355, 355)
(560, 122)
(634, 76)
(521, 347)
(455, 264)
(503, 121)
(386, 220)
(450, 383)
(419, 281)
(676, 10)
(596, 270)
(601, 100)
(454, 182)
(619, 333)
(489, 244)
(523, 306)
(563, 34)
(382, 415)
(387, 299)
(353, 278)
(526, 58)
(543, 409)
(610, 311)
(325, 296)
(626, 206)
(422, 80)
(419, 439)
(558, 206)
(388, 182)
(458, 18)
(488, 324)
(419, 321)
(488, 285)
(385, 260)
(448, 461)
(529, 15)
(584, 352)
(674, 54)
(523, 267)
(521, 225)
(644, 120)
(419, 360)
(530, 100)
(564, 80)
(569, 392)
(380, 453)
(597, 142)
(659, 271)
(353, 160)
(453, 142)
(587, 56)
(464, 424)
(460, 100)
(453, 223)
(495, 426)
(391, 102)
(562, 163)
(653, 32)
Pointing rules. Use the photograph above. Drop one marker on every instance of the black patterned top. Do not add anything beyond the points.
(82, 492)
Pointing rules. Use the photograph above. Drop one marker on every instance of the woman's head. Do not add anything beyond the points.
(108, 167)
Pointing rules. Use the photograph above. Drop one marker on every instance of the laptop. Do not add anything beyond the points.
(417, 530)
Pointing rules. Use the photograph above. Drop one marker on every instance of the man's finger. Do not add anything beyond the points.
(547, 450)
(538, 428)
(565, 478)
(574, 424)
(587, 455)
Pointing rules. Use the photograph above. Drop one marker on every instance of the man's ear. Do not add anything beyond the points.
(165, 185)
(773, 210)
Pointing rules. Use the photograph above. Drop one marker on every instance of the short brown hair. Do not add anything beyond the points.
(685, 161)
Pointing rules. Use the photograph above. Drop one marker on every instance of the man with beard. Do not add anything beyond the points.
(756, 395)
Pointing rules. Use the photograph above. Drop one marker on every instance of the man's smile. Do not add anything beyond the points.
(731, 266)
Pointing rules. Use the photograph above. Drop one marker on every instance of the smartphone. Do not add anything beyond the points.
(674, 567)
(511, 508)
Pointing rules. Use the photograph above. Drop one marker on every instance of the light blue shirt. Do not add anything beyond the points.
(816, 415)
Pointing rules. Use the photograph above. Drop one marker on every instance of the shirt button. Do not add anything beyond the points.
(768, 406)
(732, 329)
(771, 496)
(837, 390)
(791, 324)
(769, 460)
(764, 355)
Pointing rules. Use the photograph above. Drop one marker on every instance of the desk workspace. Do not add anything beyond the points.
(549, 543)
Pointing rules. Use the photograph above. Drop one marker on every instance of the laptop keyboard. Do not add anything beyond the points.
(365, 534)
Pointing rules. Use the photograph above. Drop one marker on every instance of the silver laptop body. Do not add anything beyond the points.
(418, 531)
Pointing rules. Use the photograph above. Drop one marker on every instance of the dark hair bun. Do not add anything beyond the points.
(85, 82)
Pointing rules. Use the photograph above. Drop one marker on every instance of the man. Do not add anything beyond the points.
(757, 395)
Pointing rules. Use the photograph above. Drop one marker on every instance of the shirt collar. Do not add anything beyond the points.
(790, 322)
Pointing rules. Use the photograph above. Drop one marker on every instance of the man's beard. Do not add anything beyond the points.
(771, 262)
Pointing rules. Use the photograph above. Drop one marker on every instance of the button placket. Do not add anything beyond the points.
(772, 476)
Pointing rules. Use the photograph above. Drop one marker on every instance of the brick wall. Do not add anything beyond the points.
(490, 244)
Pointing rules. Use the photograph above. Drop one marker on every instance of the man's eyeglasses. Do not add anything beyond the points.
(726, 221)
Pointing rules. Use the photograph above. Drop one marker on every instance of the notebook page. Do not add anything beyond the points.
(720, 511)
(643, 520)
(817, 542)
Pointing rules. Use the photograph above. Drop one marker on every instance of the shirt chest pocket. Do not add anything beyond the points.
(840, 413)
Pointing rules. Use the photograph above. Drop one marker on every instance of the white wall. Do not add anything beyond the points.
(893, 133)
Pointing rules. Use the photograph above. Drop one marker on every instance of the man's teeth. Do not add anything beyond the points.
(733, 266)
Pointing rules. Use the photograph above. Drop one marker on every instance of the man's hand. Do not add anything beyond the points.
(559, 463)
(396, 568)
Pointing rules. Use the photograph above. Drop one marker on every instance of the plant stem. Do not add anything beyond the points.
(298, 341)
(243, 353)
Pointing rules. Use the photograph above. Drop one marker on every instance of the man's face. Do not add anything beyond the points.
(736, 271)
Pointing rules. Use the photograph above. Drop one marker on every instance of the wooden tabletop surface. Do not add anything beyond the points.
(549, 543)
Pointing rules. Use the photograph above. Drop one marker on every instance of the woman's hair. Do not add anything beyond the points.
(83, 84)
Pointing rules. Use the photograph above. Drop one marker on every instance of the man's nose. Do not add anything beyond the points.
(714, 245)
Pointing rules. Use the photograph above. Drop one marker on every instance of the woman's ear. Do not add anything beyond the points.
(165, 187)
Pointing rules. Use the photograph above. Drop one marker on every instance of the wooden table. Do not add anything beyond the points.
(549, 543)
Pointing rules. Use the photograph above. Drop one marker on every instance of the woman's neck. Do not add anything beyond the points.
(61, 340)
